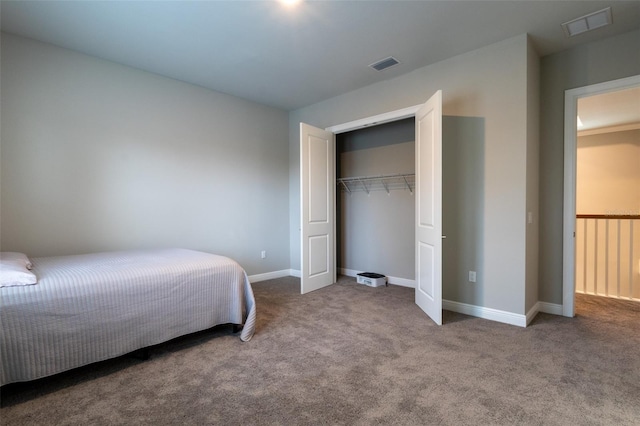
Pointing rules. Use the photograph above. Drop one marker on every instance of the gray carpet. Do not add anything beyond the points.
(353, 355)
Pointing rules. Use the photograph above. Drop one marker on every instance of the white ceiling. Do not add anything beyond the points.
(613, 109)
(293, 57)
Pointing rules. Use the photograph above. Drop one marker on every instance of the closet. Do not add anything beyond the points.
(375, 201)
(378, 243)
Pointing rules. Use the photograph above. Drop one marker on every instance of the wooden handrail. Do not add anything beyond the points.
(607, 216)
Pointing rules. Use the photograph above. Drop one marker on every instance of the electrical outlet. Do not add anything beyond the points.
(263, 254)
(472, 276)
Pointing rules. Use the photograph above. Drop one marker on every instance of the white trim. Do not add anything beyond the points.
(386, 117)
(375, 120)
(295, 273)
(569, 210)
(348, 272)
(549, 308)
(403, 282)
(485, 313)
(544, 307)
(271, 275)
(532, 313)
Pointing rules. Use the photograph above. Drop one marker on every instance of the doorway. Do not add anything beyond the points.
(375, 206)
(317, 189)
(572, 99)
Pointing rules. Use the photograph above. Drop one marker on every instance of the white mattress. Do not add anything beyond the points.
(89, 308)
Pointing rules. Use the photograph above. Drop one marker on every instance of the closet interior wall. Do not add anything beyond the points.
(375, 227)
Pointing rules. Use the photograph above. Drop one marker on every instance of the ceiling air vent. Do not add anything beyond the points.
(588, 22)
(384, 63)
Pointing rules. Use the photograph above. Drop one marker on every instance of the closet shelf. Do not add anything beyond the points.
(377, 183)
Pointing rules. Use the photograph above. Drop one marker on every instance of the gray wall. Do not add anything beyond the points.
(596, 62)
(376, 230)
(533, 178)
(489, 83)
(98, 156)
(463, 210)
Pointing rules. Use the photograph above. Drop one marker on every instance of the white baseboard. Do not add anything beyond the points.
(348, 272)
(404, 282)
(485, 313)
(270, 275)
(544, 307)
(549, 308)
(295, 273)
(502, 316)
(533, 312)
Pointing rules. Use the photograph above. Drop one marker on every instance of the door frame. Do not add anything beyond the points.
(361, 123)
(571, 97)
(375, 120)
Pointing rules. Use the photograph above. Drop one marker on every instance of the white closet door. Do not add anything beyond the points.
(429, 207)
(317, 196)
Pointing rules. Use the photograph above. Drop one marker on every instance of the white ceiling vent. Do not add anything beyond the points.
(588, 22)
(385, 63)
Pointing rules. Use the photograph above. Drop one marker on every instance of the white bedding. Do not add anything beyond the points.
(89, 308)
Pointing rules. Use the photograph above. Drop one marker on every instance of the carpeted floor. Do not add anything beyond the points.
(353, 355)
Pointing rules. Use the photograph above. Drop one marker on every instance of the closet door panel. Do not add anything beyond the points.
(317, 196)
(429, 208)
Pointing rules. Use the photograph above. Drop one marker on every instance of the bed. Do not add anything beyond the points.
(92, 307)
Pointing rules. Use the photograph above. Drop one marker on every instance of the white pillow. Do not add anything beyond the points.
(14, 270)
(18, 257)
